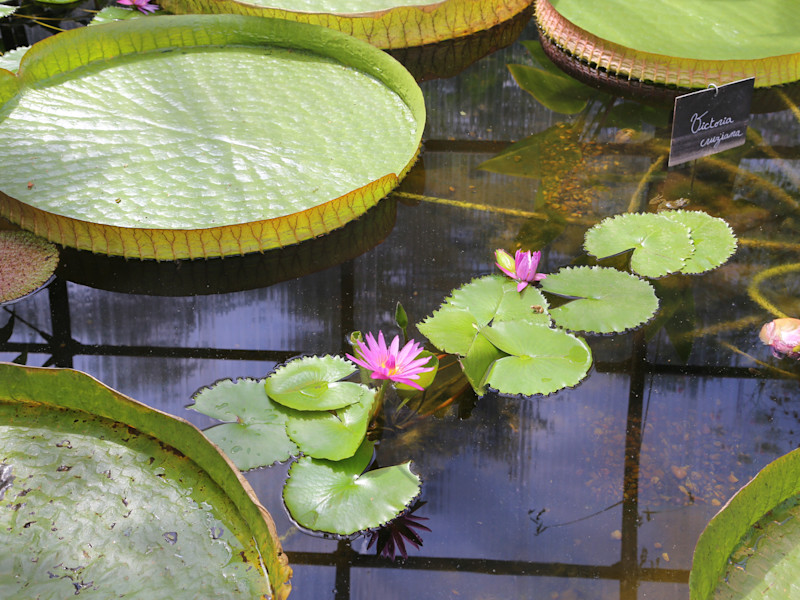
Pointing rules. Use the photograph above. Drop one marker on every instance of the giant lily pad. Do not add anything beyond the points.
(383, 23)
(750, 548)
(339, 497)
(203, 135)
(121, 500)
(677, 43)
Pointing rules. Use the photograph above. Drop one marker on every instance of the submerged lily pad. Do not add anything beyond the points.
(339, 497)
(734, 561)
(166, 148)
(541, 360)
(28, 262)
(149, 489)
(714, 241)
(383, 23)
(602, 300)
(660, 245)
(255, 434)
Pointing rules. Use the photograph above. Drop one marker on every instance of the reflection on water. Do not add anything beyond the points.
(592, 493)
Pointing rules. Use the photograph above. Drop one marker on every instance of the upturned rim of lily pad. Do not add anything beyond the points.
(595, 60)
(74, 49)
(78, 391)
(390, 28)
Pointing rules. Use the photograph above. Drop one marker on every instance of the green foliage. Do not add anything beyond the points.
(549, 85)
(335, 434)
(660, 245)
(339, 497)
(503, 339)
(769, 571)
(6, 10)
(541, 360)
(255, 434)
(666, 242)
(602, 300)
(115, 13)
(312, 383)
(714, 241)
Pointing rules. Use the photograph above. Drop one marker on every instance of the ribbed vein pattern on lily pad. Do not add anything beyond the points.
(192, 136)
(383, 23)
(342, 6)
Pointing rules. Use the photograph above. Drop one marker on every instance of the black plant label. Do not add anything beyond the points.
(710, 121)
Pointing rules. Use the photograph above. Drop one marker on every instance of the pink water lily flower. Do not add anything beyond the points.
(143, 6)
(783, 336)
(392, 363)
(521, 268)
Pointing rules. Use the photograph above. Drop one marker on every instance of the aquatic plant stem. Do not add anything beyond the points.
(760, 363)
(790, 104)
(638, 200)
(755, 293)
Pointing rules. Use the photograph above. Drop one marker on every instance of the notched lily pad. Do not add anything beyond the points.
(603, 300)
(28, 262)
(335, 434)
(255, 435)
(660, 245)
(312, 383)
(541, 360)
(471, 307)
(714, 240)
(338, 497)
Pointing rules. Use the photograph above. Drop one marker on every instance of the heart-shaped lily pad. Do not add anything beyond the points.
(542, 359)
(166, 148)
(312, 383)
(714, 241)
(338, 497)
(256, 436)
(603, 300)
(660, 245)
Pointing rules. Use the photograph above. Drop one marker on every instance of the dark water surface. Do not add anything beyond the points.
(599, 492)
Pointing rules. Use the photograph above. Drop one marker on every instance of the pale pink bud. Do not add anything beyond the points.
(783, 336)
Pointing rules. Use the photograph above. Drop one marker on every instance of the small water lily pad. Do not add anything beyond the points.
(10, 60)
(312, 383)
(6, 10)
(660, 245)
(471, 307)
(603, 300)
(714, 240)
(339, 497)
(28, 262)
(256, 434)
(335, 434)
(115, 13)
(541, 360)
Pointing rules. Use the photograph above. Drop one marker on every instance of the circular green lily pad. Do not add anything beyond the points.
(202, 135)
(339, 497)
(28, 262)
(681, 43)
(542, 360)
(602, 300)
(105, 497)
(714, 241)
(660, 245)
(383, 23)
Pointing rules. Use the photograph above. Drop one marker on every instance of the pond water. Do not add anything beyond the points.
(597, 492)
